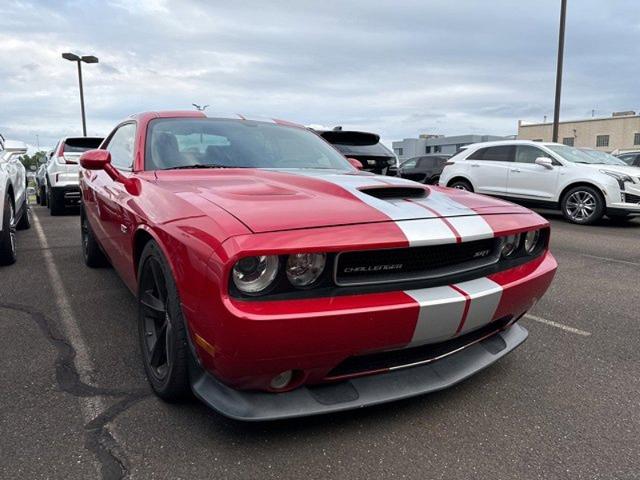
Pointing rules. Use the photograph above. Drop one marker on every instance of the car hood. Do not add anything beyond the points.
(628, 170)
(268, 200)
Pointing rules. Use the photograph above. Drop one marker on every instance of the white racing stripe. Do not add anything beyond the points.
(444, 309)
(419, 219)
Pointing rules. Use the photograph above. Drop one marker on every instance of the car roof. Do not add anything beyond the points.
(509, 142)
(142, 116)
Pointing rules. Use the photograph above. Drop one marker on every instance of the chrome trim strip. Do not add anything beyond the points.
(428, 360)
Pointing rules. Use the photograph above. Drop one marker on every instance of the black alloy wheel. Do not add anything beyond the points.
(161, 327)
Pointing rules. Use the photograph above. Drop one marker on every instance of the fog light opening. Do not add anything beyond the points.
(282, 380)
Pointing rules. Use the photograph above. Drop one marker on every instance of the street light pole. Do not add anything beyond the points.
(79, 59)
(556, 111)
(84, 119)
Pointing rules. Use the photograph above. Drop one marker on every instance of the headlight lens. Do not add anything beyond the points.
(510, 245)
(252, 275)
(531, 240)
(620, 177)
(304, 268)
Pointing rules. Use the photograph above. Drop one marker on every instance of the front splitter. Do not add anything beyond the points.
(358, 392)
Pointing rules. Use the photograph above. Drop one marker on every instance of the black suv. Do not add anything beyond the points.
(424, 169)
(364, 147)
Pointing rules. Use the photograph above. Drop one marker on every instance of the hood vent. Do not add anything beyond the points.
(391, 192)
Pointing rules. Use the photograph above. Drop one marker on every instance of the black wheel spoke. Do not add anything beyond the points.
(152, 303)
(158, 350)
(158, 279)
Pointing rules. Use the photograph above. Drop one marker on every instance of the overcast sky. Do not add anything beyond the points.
(399, 68)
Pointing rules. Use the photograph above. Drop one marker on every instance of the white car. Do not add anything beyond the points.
(62, 188)
(584, 187)
(14, 208)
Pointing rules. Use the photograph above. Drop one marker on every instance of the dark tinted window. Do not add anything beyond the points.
(426, 162)
(81, 144)
(502, 153)
(528, 154)
(121, 146)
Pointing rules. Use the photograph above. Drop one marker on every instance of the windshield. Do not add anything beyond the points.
(576, 155)
(603, 157)
(207, 142)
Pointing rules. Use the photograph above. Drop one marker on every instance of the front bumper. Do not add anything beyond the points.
(245, 344)
(357, 392)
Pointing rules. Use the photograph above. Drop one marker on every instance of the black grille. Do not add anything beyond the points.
(631, 198)
(373, 266)
(414, 355)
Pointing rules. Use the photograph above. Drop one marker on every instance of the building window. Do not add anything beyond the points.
(602, 141)
(399, 151)
(568, 141)
(636, 139)
(427, 149)
(437, 149)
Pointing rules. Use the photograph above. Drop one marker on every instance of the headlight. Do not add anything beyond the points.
(531, 240)
(510, 245)
(620, 177)
(252, 275)
(304, 268)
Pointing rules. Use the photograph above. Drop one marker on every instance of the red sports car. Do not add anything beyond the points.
(276, 280)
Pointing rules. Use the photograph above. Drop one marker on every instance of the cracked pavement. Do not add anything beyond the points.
(561, 406)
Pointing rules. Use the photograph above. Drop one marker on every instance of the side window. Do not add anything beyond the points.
(121, 146)
(409, 163)
(502, 153)
(427, 162)
(528, 154)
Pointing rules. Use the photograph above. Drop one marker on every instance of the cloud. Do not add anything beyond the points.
(398, 68)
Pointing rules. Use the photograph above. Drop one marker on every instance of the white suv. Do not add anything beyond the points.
(14, 211)
(62, 187)
(583, 186)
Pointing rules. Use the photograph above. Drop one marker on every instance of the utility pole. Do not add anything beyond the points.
(556, 111)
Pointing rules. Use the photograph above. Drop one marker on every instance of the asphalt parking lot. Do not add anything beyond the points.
(74, 402)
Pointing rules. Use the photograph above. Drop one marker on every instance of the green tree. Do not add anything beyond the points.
(33, 160)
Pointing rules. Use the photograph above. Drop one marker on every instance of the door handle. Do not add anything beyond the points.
(515, 170)
(475, 165)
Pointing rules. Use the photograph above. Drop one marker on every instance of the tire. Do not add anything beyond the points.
(93, 255)
(8, 233)
(25, 220)
(56, 202)
(42, 196)
(582, 205)
(160, 316)
(434, 180)
(461, 185)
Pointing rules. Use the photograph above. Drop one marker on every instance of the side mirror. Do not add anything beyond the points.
(355, 163)
(95, 159)
(545, 162)
(101, 160)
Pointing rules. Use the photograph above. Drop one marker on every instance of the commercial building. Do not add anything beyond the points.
(425, 144)
(617, 133)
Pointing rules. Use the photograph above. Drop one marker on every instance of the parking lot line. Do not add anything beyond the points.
(90, 406)
(566, 328)
(608, 259)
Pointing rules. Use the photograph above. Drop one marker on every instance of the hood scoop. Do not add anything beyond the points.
(395, 192)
